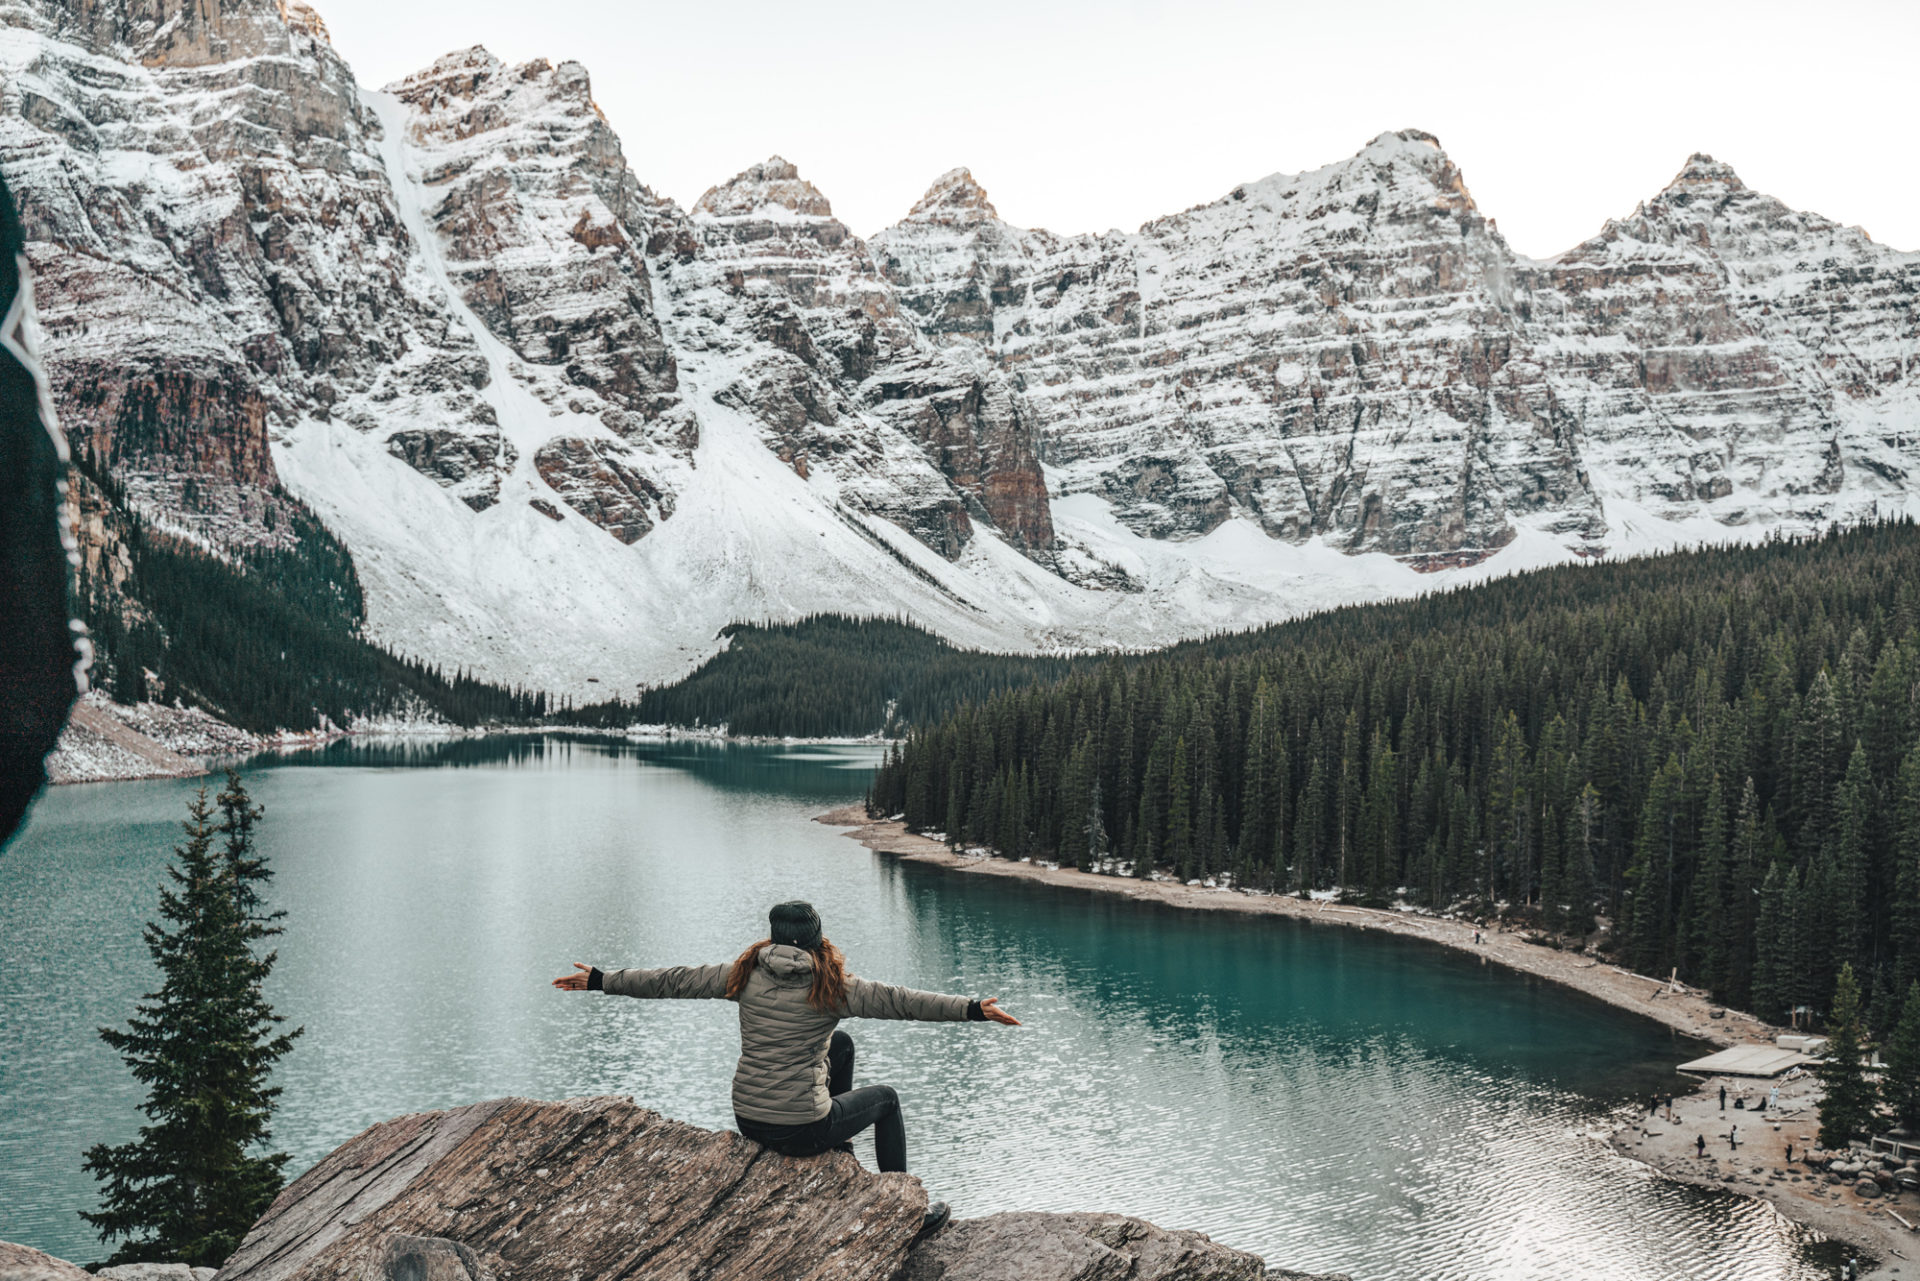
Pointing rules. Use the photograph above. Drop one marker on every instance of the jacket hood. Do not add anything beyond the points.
(786, 962)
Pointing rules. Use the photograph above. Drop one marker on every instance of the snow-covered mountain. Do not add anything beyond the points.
(568, 430)
(1355, 354)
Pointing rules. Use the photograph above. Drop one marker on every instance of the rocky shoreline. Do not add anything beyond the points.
(109, 742)
(1802, 1191)
(1759, 1171)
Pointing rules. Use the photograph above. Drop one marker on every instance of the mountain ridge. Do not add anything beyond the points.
(570, 430)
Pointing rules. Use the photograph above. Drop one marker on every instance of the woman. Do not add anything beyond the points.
(793, 1089)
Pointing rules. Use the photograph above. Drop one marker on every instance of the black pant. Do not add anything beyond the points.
(852, 1111)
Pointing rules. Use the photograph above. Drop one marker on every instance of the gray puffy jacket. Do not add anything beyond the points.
(782, 1077)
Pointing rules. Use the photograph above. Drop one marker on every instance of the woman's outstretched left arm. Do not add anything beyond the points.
(676, 982)
(885, 1001)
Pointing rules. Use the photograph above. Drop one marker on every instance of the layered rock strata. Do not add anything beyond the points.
(1355, 352)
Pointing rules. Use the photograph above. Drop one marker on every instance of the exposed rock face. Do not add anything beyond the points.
(1074, 1247)
(1355, 352)
(1734, 358)
(513, 1190)
(470, 464)
(211, 274)
(595, 481)
(540, 227)
(811, 291)
(155, 1272)
(585, 1188)
(23, 1263)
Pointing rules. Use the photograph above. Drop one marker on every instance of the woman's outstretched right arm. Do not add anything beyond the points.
(675, 982)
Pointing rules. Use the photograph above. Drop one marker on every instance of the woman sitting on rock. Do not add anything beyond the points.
(793, 1089)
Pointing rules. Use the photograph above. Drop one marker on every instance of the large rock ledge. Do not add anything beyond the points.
(516, 1190)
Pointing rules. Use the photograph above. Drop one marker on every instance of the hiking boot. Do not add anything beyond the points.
(937, 1216)
(842, 1147)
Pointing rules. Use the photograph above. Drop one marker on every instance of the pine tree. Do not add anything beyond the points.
(1906, 875)
(1900, 1085)
(1710, 883)
(1770, 997)
(1847, 1105)
(1095, 829)
(1648, 932)
(1743, 897)
(194, 1181)
(1583, 826)
(1180, 814)
(1853, 804)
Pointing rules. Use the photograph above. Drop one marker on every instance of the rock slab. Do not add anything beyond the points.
(1025, 1246)
(517, 1190)
(23, 1263)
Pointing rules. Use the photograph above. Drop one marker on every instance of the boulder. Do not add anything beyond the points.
(1867, 1188)
(516, 1190)
(584, 1188)
(154, 1272)
(23, 1263)
(1024, 1246)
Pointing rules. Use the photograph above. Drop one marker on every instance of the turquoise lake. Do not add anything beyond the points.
(1332, 1099)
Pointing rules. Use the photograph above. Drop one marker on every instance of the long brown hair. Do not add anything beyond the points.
(829, 990)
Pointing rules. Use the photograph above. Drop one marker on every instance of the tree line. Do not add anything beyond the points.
(829, 676)
(1715, 753)
(266, 638)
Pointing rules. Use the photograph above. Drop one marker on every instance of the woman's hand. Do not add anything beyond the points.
(575, 982)
(990, 1006)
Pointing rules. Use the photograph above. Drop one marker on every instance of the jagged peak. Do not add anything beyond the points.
(301, 17)
(1702, 170)
(774, 181)
(1395, 150)
(465, 67)
(1417, 142)
(954, 199)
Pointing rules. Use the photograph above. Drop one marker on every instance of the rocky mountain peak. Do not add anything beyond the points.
(302, 17)
(1419, 150)
(775, 181)
(1702, 172)
(461, 72)
(954, 199)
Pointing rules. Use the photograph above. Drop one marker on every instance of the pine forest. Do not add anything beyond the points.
(1713, 756)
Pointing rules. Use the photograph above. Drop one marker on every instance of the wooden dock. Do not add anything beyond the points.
(1747, 1060)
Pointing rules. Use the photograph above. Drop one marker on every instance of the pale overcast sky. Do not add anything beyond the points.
(1082, 116)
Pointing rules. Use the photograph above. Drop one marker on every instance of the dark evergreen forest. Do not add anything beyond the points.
(1714, 754)
(830, 676)
(264, 638)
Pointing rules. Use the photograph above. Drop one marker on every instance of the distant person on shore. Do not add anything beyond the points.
(793, 1089)
(1733, 1137)
(1723, 1098)
(1700, 1145)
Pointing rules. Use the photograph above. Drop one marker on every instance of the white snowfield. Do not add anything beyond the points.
(569, 431)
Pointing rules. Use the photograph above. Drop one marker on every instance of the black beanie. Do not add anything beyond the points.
(796, 924)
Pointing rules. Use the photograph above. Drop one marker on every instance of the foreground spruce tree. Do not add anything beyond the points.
(195, 1180)
(1847, 1106)
(1900, 1087)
